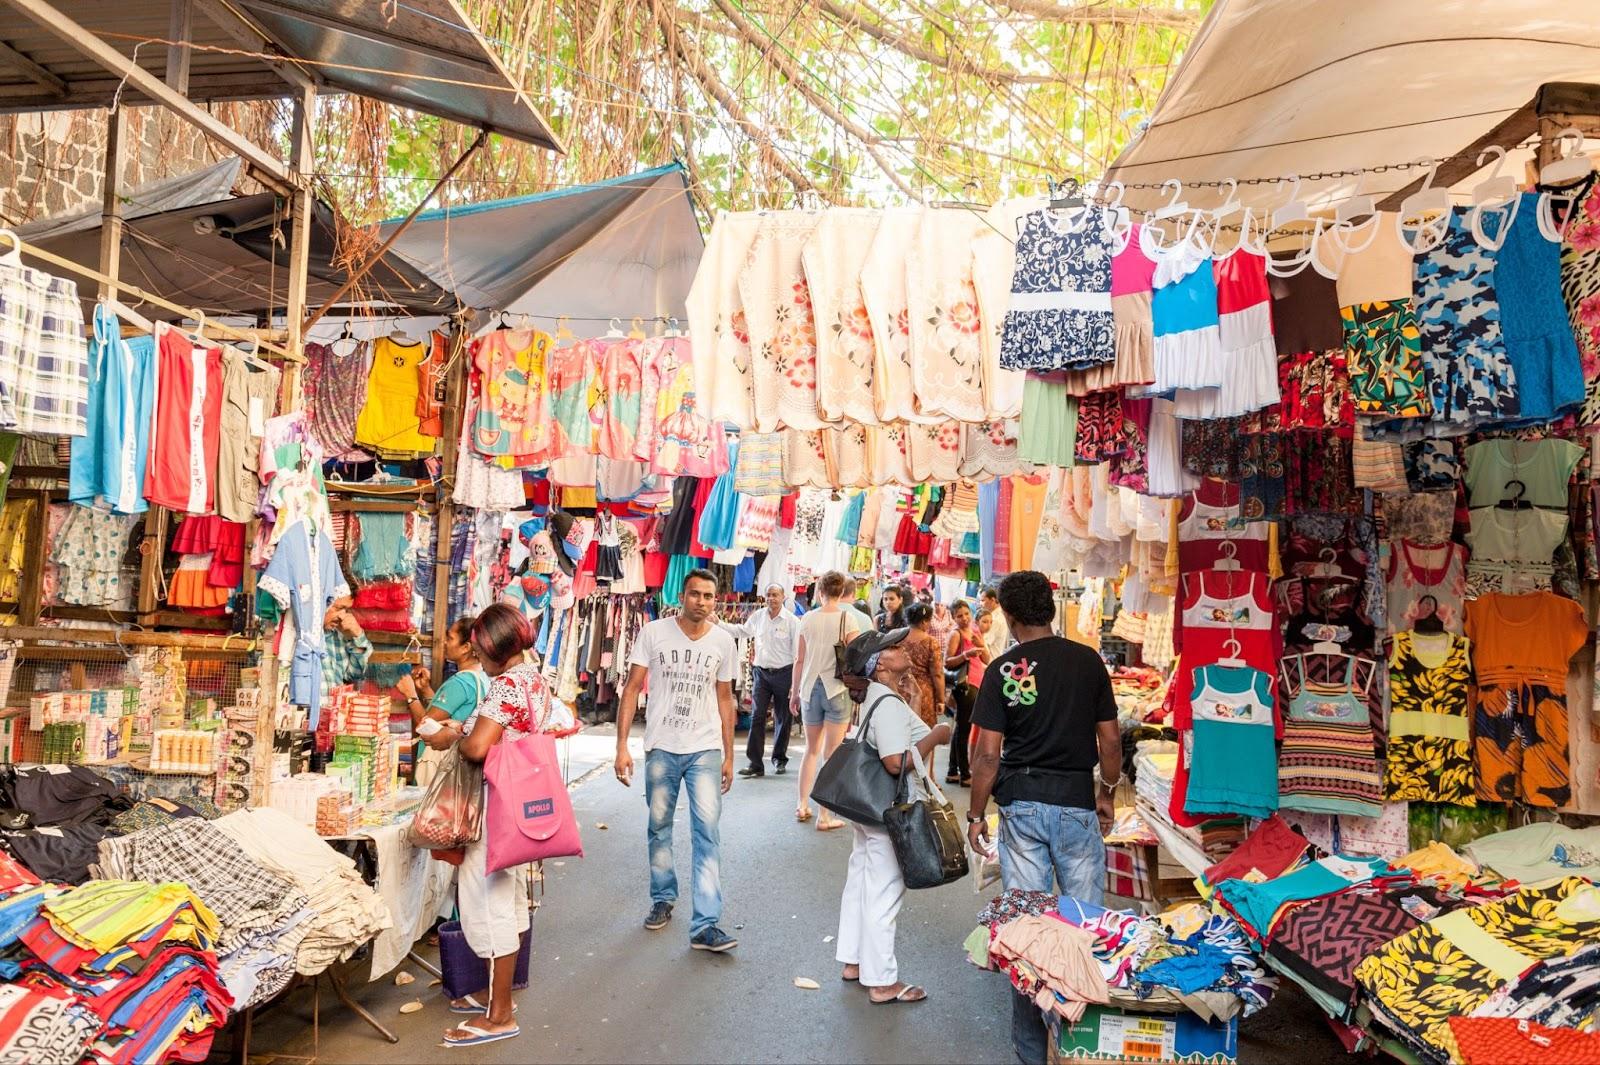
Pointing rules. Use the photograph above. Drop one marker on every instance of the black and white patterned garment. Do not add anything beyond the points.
(245, 897)
(1059, 315)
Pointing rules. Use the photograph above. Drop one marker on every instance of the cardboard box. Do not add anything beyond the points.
(1109, 1035)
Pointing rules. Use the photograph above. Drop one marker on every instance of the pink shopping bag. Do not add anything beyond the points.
(529, 814)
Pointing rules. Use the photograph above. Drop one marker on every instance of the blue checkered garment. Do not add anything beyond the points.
(44, 355)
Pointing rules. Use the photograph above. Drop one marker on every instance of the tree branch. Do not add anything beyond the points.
(1102, 13)
(873, 27)
(800, 80)
(688, 54)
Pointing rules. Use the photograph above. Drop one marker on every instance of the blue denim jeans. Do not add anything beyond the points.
(701, 774)
(1042, 846)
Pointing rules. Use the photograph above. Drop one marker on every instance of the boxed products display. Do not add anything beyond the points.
(1106, 1034)
(183, 751)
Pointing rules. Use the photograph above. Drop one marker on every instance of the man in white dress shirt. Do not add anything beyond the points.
(775, 630)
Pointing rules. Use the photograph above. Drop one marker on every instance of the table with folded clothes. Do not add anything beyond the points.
(1067, 954)
(1441, 957)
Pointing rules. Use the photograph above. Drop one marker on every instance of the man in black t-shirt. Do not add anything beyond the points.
(1045, 717)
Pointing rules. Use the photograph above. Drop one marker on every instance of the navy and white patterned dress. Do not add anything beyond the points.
(1463, 348)
(1059, 316)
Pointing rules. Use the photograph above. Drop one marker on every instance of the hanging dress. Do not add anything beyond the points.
(883, 289)
(335, 385)
(1048, 430)
(388, 425)
(1382, 340)
(1417, 571)
(618, 398)
(833, 260)
(993, 262)
(181, 471)
(1538, 336)
(1133, 276)
(1230, 754)
(249, 398)
(718, 326)
(1513, 551)
(783, 334)
(1185, 324)
(946, 351)
(1471, 381)
(1249, 353)
(1430, 720)
(1059, 316)
(1580, 287)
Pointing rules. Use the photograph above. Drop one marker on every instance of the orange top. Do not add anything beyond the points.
(1525, 637)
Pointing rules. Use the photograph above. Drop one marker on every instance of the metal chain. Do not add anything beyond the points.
(1325, 175)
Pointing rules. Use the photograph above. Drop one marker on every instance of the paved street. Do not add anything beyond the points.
(605, 990)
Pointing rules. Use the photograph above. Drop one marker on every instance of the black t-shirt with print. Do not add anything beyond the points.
(1046, 696)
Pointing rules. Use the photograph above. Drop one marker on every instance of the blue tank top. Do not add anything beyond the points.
(1233, 763)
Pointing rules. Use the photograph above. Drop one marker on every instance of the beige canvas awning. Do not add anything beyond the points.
(1272, 87)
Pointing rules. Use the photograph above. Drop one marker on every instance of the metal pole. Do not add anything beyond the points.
(358, 274)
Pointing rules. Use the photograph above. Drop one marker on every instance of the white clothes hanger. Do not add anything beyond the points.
(615, 332)
(1493, 194)
(13, 255)
(1174, 207)
(1360, 206)
(1430, 206)
(1119, 220)
(1565, 170)
(1232, 661)
(1293, 210)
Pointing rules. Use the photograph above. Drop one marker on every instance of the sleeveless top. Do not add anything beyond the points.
(1416, 571)
(1430, 745)
(1183, 308)
(1329, 761)
(1202, 531)
(1232, 767)
(1381, 271)
(388, 422)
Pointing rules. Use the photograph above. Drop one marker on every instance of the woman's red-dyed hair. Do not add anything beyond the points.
(501, 633)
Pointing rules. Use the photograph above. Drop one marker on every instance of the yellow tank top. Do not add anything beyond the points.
(388, 424)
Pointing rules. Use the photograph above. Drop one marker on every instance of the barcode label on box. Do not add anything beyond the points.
(1137, 1038)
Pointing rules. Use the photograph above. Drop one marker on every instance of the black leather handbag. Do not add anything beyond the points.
(853, 783)
(927, 836)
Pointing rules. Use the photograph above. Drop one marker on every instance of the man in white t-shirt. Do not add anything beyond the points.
(688, 742)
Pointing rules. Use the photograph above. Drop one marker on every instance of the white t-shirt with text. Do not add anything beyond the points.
(681, 714)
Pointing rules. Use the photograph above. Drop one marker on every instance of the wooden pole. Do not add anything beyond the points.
(445, 512)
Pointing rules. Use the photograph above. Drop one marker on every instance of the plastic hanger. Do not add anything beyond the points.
(1119, 219)
(1492, 194)
(1229, 562)
(13, 255)
(1430, 206)
(199, 333)
(1360, 206)
(1327, 564)
(1568, 169)
(637, 332)
(672, 329)
(346, 341)
(1232, 661)
(1293, 210)
(563, 330)
(1514, 500)
(1174, 207)
(615, 332)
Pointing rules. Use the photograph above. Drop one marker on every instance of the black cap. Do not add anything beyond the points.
(863, 647)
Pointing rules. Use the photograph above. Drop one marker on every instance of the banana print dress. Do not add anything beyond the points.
(1430, 743)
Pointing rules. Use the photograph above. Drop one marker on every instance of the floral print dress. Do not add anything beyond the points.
(1060, 316)
(782, 326)
(942, 299)
(1580, 289)
(834, 258)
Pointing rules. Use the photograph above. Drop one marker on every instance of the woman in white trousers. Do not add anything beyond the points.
(873, 886)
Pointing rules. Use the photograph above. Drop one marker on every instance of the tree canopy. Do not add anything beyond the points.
(773, 102)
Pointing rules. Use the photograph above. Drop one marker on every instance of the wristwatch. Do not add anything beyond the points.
(976, 819)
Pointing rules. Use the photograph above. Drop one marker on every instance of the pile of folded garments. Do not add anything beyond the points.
(1154, 764)
(52, 818)
(263, 916)
(122, 971)
(1067, 954)
(344, 912)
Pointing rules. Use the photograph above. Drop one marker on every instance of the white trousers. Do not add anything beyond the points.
(494, 906)
(873, 891)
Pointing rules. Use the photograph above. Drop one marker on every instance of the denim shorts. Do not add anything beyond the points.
(819, 708)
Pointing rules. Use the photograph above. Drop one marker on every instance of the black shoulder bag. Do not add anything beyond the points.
(853, 783)
(927, 836)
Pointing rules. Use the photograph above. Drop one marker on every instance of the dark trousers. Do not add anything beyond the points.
(966, 698)
(771, 690)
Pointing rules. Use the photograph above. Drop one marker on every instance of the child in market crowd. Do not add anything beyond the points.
(965, 655)
(874, 888)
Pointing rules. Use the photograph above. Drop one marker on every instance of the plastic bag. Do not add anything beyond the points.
(451, 814)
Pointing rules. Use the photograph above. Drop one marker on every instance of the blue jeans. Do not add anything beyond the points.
(1042, 845)
(701, 774)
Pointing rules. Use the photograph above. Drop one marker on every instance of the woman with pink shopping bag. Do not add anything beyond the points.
(492, 892)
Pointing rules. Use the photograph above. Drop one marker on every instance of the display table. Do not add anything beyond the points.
(414, 885)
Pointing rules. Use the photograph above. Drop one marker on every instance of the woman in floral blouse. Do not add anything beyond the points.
(494, 906)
